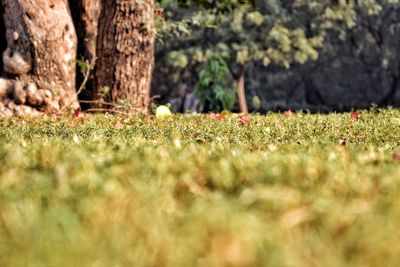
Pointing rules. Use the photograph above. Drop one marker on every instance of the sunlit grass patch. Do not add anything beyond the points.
(277, 190)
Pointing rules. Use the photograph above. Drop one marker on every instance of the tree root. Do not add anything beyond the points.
(18, 98)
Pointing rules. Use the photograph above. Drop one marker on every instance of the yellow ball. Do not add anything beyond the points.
(162, 112)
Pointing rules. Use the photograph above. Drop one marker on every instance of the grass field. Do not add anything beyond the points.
(294, 190)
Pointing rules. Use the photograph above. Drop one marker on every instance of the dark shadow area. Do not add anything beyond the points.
(3, 42)
(76, 13)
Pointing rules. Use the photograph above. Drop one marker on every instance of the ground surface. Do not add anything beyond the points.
(279, 190)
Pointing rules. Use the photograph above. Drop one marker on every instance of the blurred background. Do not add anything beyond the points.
(357, 67)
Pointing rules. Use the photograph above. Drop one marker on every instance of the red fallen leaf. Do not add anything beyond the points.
(77, 115)
(355, 115)
(244, 120)
(120, 123)
(288, 112)
(160, 13)
(214, 116)
(220, 117)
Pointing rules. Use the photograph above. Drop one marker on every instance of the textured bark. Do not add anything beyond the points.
(40, 58)
(125, 51)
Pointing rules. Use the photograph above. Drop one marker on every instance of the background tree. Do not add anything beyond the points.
(277, 32)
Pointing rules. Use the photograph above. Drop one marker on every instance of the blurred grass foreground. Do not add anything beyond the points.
(293, 190)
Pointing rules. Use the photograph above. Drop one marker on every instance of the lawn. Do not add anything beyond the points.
(281, 190)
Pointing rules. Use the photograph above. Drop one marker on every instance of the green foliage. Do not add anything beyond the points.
(273, 32)
(212, 88)
(221, 6)
(193, 191)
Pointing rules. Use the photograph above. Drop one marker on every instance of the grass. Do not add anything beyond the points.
(283, 190)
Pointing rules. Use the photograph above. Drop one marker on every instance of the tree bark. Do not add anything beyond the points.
(125, 52)
(40, 59)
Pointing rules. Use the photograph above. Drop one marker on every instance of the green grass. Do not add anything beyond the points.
(301, 190)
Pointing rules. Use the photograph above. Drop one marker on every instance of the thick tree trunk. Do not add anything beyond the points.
(40, 59)
(125, 49)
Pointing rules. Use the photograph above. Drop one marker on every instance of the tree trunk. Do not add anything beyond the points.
(40, 59)
(125, 48)
(241, 93)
